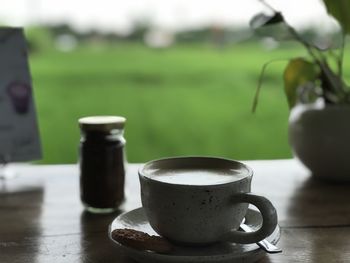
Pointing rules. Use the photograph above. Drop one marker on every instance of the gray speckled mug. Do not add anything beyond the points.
(202, 200)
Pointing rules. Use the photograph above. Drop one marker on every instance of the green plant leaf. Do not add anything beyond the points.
(297, 73)
(262, 19)
(340, 9)
(271, 26)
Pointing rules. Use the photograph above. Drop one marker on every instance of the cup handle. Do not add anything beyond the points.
(269, 216)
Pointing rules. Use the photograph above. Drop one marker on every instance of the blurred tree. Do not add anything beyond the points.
(38, 38)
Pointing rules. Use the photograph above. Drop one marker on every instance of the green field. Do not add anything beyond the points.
(185, 100)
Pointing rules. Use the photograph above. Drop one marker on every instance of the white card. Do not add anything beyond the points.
(19, 136)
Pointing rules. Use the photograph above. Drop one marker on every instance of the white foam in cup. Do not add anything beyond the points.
(196, 176)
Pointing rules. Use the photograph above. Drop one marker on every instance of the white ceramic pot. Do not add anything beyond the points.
(320, 138)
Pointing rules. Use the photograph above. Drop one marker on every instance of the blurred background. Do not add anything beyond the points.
(183, 73)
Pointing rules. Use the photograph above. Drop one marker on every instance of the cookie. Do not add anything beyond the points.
(141, 240)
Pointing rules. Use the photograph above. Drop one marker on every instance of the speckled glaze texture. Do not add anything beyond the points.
(202, 214)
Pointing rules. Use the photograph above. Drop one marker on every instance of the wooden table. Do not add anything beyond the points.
(45, 221)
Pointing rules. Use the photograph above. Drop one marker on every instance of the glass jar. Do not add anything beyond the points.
(102, 163)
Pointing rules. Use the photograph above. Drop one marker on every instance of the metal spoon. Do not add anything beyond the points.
(264, 244)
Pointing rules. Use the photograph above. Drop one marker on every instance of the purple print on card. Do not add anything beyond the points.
(20, 94)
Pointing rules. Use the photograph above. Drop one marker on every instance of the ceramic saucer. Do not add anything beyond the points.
(218, 253)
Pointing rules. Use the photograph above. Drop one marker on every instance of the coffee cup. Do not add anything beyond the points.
(202, 200)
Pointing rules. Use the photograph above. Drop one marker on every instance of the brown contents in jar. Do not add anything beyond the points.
(102, 168)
